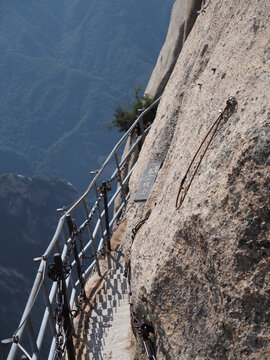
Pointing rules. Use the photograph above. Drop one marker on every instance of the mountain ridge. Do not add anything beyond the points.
(64, 68)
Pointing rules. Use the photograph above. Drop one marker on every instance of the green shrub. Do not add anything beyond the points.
(125, 115)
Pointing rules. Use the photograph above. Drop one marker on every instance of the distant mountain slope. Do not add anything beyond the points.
(64, 67)
(28, 220)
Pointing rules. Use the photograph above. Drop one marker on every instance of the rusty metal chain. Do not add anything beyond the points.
(78, 234)
(125, 165)
(127, 160)
(59, 353)
(143, 327)
(138, 226)
(182, 192)
(116, 177)
(52, 272)
(98, 253)
(80, 230)
(134, 232)
(74, 313)
(54, 275)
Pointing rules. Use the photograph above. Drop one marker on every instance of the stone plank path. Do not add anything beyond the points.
(103, 329)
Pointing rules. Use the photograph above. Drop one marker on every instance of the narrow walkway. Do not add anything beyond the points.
(103, 328)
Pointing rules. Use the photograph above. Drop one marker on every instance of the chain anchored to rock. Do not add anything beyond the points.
(183, 190)
(143, 327)
(139, 225)
(62, 313)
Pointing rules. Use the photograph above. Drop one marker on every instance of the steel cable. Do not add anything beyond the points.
(230, 104)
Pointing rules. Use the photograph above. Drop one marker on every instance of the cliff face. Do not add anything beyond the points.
(183, 16)
(200, 273)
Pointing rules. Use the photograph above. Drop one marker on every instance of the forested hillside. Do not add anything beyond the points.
(64, 67)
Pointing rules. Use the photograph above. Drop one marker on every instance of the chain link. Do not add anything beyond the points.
(139, 225)
(55, 275)
(126, 163)
(78, 234)
(59, 319)
(143, 327)
(62, 336)
(75, 312)
(80, 230)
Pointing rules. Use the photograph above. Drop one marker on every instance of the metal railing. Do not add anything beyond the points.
(95, 210)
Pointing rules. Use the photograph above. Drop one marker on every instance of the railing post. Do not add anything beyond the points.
(91, 238)
(75, 253)
(4, 345)
(120, 179)
(49, 306)
(107, 222)
(141, 125)
(32, 338)
(61, 211)
(62, 291)
(99, 214)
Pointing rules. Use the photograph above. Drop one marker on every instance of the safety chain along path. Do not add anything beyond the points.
(103, 329)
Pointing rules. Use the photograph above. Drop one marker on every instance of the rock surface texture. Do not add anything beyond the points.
(183, 16)
(201, 273)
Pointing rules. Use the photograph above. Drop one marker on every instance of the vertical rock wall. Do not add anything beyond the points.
(201, 273)
(184, 14)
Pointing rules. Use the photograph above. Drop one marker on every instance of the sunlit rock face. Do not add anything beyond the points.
(184, 14)
(200, 273)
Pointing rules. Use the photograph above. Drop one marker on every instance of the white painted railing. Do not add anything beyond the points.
(35, 337)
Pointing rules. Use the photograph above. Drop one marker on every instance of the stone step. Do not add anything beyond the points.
(114, 278)
(108, 301)
(100, 311)
(109, 321)
(114, 291)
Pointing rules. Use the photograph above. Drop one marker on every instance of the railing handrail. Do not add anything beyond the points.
(117, 146)
(78, 202)
(42, 266)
